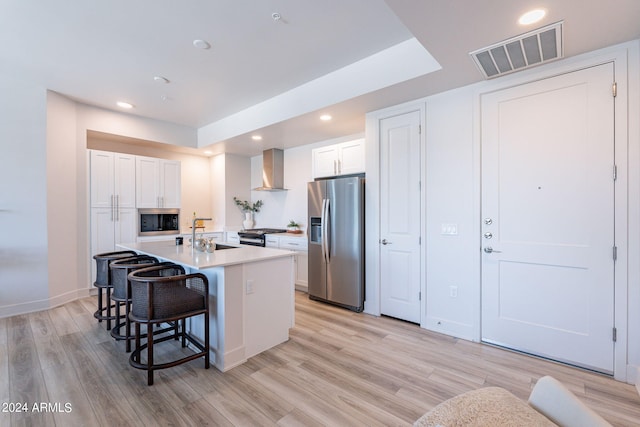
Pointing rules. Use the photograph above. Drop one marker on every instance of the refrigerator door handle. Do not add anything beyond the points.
(325, 232)
(322, 234)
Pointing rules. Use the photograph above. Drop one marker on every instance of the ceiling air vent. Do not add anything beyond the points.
(521, 52)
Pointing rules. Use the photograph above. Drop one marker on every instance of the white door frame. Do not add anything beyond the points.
(372, 202)
(619, 57)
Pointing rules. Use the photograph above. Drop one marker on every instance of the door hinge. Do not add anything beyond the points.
(419, 240)
(615, 172)
(420, 129)
(419, 295)
(615, 334)
(615, 253)
(614, 89)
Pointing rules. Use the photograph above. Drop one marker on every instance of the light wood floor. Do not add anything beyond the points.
(339, 368)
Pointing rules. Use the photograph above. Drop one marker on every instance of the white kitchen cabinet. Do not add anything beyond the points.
(232, 237)
(271, 241)
(113, 180)
(113, 201)
(345, 158)
(299, 245)
(110, 227)
(157, 183)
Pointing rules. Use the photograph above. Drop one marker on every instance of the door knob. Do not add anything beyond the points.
(385, 242)
(490, 250)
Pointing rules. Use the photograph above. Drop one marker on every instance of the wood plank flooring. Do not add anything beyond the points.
(339, 368)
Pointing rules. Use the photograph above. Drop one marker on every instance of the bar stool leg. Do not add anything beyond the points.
(150, 354)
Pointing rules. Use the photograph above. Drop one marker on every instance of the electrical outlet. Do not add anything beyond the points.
(249, 287)
(453, 291)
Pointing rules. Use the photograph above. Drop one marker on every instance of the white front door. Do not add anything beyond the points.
(548, 218)
(400, 216)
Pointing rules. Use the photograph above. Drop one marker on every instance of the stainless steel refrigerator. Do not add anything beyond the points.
(336, 241)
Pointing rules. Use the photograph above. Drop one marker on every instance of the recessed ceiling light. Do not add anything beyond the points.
(201, 44)
(160, 79)
(256, 137)
(208, 152)
(325, 117)
(532, 16)
(123, 104)
(276, 16)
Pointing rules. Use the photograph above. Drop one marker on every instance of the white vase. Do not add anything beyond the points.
(248, 222)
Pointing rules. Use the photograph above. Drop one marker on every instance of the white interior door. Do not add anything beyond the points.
(400, 216)
(548, 215)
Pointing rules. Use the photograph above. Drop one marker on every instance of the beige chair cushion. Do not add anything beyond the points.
(490, 407)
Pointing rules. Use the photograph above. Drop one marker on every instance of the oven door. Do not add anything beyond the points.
(253, 241)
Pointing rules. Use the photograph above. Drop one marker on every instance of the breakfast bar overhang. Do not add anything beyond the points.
(251, 296)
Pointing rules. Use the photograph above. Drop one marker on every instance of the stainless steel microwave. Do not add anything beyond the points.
(158, 222)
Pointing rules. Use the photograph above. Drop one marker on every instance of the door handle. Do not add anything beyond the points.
(385, 242)
(490, 250)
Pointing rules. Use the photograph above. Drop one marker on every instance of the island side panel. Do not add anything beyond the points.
(216, 278)
(268, 303)
(231, 304)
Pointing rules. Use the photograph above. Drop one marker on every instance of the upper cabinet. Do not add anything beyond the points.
(345, 158)
(113, 180)
(157, 183)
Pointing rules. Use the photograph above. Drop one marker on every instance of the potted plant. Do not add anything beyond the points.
(293, 227)
(248, 209)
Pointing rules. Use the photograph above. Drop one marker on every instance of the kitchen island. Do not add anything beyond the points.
(251, 296)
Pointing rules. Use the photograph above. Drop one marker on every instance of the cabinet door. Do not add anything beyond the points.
(125, 180)
(102, 181)
(102, 238)
(324, 161)
(147, 182)
(351, 157)
(125, 226)
(170, 182)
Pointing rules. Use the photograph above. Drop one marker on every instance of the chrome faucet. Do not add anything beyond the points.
(193, 231)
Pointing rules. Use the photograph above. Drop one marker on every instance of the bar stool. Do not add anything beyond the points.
(120, 269)
(160, 295)
(103, 282)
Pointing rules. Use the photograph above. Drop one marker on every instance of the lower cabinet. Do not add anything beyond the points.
(299, 245)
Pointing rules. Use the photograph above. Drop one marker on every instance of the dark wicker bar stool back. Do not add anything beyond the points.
(165, 294)
(103, 282)
(120, 270)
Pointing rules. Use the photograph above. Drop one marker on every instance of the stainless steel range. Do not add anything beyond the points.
(256, 236)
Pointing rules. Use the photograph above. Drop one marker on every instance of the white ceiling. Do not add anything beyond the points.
(99, 52)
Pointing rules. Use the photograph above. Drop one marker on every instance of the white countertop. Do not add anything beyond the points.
(182, 254)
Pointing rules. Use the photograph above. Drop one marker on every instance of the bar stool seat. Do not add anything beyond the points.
(103, 282)
(158, 295)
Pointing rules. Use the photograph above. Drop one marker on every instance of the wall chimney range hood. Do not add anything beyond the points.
(272, 170)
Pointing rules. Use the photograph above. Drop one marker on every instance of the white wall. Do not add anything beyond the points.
(62, 210)
(452, 195)
(23, 196)
(280, 207)
(451, 260)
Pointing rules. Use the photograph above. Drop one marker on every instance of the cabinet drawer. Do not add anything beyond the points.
(271, 242)
(293, 243)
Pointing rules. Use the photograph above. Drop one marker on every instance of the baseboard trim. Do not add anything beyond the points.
(44, 304)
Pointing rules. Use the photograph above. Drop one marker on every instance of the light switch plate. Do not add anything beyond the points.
(449, 229)
(249, 287)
